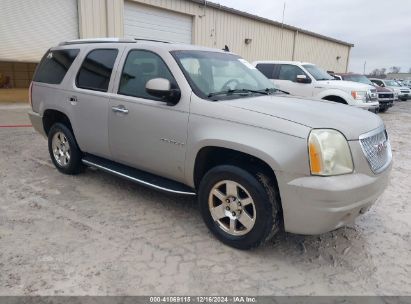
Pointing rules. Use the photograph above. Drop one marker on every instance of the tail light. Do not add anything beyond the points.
(30, 94)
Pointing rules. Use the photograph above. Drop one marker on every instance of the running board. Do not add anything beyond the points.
(138, 176)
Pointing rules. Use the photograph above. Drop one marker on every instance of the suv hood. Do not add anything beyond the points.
(343, 84)
(383, 90)
(352, 122)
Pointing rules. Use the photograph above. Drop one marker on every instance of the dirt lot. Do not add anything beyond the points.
(95, 234)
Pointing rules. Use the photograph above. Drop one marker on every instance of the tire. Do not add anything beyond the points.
(383, 110)
(265, 209)
(64, 151)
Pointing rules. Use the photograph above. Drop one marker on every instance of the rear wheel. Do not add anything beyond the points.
(241, 209)
(63, 149)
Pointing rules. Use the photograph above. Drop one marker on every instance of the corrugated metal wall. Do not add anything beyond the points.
(322, 52)
(29, 28)
(214, 27)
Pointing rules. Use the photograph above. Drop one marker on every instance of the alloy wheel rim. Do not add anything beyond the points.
(232, 207)
(61, 149)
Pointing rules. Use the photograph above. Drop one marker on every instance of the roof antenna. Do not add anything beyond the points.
(226, 49)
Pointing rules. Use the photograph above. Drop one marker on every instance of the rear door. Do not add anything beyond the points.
(147, 134)
(89, 99)
(285, 78)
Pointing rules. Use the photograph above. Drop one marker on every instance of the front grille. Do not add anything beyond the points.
(389, 95)
(405, 91)
(377, 149)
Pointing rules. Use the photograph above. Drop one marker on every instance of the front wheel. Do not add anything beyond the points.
(241, 209)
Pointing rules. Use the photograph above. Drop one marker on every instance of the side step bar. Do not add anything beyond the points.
(138, 176)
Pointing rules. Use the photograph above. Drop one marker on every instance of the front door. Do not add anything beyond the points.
(145, 132)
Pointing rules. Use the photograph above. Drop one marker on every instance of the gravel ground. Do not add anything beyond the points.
(95, 234)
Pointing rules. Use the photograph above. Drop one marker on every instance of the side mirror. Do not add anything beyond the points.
(302, 79)
(162, 88)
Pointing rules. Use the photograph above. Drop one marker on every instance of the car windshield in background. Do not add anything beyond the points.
(358, 78)
(217, 76)
(392, 83)
(318, 73)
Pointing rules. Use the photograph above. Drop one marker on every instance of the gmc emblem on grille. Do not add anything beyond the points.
(380, 147)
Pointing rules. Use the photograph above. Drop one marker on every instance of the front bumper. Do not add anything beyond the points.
(315, 204)
(403, 95)
(370, 106)
(386, 102)
(37, 122)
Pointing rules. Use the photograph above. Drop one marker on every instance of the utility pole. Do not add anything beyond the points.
(282, 27)
(365, 63)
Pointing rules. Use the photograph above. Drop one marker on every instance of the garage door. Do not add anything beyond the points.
(148, 22)
(29, 28)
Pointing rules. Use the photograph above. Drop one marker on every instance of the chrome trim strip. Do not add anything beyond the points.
(89, 163)
(372, 132)
(389, 151)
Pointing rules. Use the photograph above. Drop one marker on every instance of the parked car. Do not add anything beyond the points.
(385, 95)
(403, 93)
(309, 81)
(407, 83)
(196, 121)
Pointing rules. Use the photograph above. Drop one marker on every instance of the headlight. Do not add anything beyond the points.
(359, 95)
(329, 153)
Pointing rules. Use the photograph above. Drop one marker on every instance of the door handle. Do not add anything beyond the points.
(119, 109)
(73, 99)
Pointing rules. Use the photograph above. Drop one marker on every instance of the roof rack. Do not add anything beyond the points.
(97, 40)
(108, 40)
(150, 40)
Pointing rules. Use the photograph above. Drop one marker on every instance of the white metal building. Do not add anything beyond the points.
(29, 27)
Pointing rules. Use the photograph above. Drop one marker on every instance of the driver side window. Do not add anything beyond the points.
(140, 67)
(290, 72)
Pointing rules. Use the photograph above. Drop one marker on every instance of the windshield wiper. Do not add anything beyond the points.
(239, 91)
(285, 92)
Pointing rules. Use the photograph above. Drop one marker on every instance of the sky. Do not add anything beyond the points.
(379, 29)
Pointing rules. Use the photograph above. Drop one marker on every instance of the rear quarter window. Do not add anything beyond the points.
(54, 66)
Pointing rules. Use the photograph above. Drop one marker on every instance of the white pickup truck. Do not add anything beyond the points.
(307, 80)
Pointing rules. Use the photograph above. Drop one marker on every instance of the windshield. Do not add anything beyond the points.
(216, 76)
(358, 78)
(318, 73)
(391, 83)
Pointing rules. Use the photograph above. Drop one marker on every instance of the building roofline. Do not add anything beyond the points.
(269, 21)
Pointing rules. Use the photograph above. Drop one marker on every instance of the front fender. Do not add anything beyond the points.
(282, 152)
(339, 93)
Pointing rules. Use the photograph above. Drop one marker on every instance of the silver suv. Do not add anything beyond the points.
(197, 121)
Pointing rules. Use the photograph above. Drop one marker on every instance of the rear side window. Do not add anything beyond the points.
(54, 66)
(95, 72)
(267, 69)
